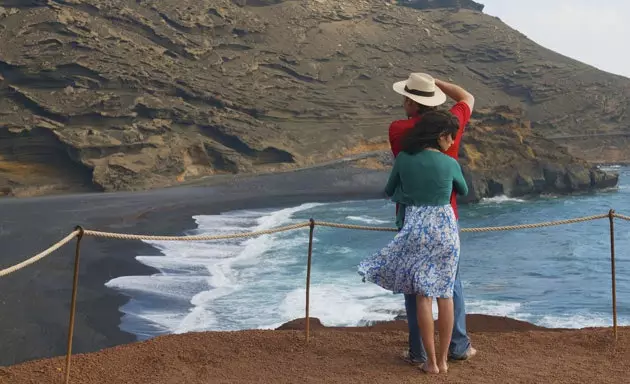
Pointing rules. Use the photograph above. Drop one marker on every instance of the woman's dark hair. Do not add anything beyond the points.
(428, 130)
(422, 109)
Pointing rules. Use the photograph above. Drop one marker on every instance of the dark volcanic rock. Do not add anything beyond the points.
(123, 94)
(474, 323)
(299, 324)
(435, 4)
(502, 155)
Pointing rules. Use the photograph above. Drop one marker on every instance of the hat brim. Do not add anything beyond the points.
(433, 101)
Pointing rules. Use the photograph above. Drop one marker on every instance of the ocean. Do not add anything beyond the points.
(553, 277)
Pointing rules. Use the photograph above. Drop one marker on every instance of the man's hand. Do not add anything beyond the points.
(456, 92)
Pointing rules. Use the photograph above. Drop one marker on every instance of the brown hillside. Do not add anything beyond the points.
(121, 94)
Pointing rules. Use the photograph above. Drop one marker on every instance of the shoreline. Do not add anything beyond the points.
(346, 163)
(37, 328)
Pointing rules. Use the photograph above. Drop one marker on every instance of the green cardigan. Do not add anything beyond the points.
(425, 178)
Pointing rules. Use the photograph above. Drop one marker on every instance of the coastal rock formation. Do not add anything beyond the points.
(123, 95)
(502, 155)
(436, 4)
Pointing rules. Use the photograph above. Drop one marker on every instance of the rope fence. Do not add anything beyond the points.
(474, 230)
(124, 236)
(622, 217)
(79, 233)
(39, 256)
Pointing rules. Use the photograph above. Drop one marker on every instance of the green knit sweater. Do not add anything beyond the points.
(425, 178)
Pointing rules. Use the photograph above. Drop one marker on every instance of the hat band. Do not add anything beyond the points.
(419, 93)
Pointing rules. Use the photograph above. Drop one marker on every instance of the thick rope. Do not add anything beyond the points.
(355, 227)
(622, 217)
(123, 236)
(481, 229)
(538, 225)
(40, 255)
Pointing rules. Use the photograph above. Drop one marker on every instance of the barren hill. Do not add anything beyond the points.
(122, 94)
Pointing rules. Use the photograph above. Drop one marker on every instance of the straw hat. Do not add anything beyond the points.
(420, 87)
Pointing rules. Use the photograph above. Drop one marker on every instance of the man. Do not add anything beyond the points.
(423, 93)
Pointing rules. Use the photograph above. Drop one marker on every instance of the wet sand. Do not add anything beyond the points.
(34, 302)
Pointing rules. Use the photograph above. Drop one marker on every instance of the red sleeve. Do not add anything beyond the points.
(394, 143)
(462, 111)
(395, 134)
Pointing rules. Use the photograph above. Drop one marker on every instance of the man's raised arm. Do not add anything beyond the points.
(456, 93)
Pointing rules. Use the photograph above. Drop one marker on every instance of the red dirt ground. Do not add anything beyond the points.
(509, 352)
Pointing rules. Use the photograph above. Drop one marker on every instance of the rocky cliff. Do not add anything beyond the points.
(122, 95)
(441, 4)
(503, 155)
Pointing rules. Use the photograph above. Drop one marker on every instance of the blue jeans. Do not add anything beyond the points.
(459, 341)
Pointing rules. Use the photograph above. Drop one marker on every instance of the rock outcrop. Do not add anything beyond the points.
(437, 4)
(502, 155)
(123, 95)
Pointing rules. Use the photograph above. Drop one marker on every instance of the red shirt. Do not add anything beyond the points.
(398, 128)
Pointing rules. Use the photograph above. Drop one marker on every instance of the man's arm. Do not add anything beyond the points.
(394, 138)
(456, 93)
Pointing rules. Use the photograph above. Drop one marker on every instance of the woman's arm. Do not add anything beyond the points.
(459, 182)
(394, 179)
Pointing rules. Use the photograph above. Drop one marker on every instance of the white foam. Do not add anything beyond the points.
(513, 310)
(198, 319)
(367, 219)
(576, 321)
(250, 283)
(610, 167)
(334, 250)
(347, 304)
(501, 199)
(199, 273)
(344, 303)
(341, 304)
(170, 287)
(495, 308)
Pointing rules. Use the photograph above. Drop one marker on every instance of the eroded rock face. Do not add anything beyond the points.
(436, 4)
(502, 155)
(140, 94)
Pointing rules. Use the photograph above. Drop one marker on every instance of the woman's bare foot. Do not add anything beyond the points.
(430, 369)
(443, 367)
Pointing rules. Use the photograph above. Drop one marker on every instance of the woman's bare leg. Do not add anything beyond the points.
(427, 331)
(445, 329)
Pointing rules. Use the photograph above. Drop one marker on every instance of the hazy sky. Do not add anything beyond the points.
(596, 32)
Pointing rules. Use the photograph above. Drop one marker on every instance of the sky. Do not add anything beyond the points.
(596, 32)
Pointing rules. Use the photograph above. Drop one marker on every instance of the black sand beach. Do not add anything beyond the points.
(34, 302)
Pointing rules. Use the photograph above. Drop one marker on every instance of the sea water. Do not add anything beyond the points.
(554, 277)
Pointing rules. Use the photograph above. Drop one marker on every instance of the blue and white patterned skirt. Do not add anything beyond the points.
(422, 259)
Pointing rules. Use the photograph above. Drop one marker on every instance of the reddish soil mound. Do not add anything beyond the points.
(474, 323)
(550, 356)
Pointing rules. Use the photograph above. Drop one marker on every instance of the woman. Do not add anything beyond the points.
(422, 259)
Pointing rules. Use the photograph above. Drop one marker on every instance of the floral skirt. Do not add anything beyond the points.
(422, 258)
